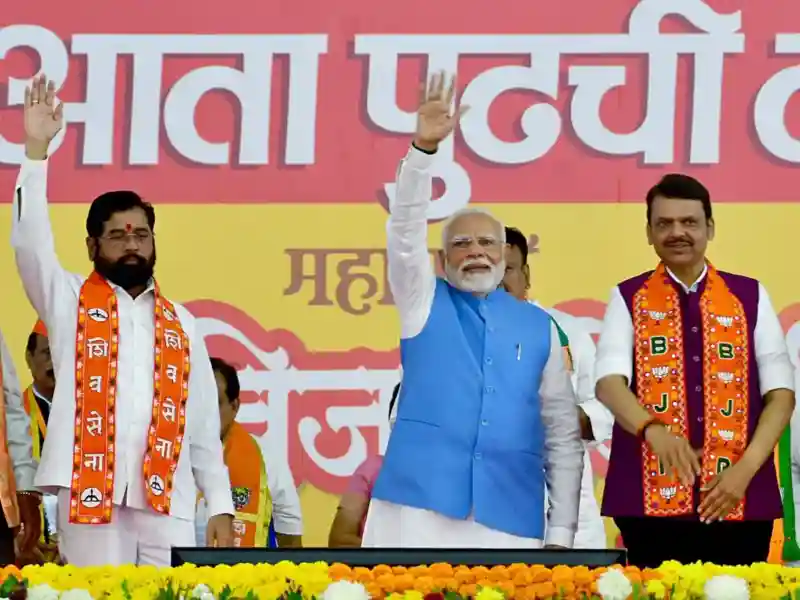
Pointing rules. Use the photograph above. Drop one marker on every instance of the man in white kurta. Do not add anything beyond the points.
(20, 451)
(596, 420)
(136, 533)
(475, 238)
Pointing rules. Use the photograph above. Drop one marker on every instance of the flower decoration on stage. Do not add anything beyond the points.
(288, 581)
(726, 587)
(613, 585)
(345, 590)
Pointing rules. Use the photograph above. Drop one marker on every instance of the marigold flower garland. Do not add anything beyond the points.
(288, 581)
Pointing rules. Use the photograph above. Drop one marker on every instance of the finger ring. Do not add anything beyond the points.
(34, 102)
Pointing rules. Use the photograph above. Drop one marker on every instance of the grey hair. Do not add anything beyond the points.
(464, 212)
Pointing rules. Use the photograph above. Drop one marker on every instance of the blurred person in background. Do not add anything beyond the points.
(37, 400)
(268, 513)
(21, 522)
(348, 524)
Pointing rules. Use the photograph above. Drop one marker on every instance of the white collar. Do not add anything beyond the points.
(39, 395)
(692, 288)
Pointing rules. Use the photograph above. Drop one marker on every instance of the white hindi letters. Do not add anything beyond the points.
(94, 423)
(716, 37)
(251, 86)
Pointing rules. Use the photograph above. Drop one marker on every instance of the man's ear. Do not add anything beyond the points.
(711, 229)
(91, 247)
(235, 405)
(29, 360)
(526, 271)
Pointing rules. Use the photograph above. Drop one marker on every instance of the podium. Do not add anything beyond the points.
(405, 557)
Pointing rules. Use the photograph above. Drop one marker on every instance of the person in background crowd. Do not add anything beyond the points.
(347, 528)
(114, 454)
(693, 363)
(19, 498)
(785, 548)
(487, 412)
(596, 421)
(268, 512)
(36, 400)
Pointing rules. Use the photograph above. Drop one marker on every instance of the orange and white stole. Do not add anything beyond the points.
(96, 368)
(661, 384)
(8, 482)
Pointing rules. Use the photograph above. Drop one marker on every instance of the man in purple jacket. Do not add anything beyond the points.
(693, 363)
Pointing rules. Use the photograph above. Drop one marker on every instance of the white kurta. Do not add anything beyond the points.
(18, 424)
(413, 283)
(53, 292)
(591, 530)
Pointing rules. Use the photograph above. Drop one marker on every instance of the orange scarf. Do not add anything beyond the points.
(251, 495)
(661, 383)
(38, 426)
(96, 357)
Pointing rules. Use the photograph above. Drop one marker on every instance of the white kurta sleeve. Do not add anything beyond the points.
(563, 447)
(410, 272)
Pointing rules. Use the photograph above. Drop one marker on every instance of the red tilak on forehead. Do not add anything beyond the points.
(128, 227)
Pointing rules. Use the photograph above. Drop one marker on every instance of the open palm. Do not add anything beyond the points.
(43, 120)
(435, 121)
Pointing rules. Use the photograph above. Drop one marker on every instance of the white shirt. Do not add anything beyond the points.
(53, 292)
(287, 514)
(615, 348)
(591, 531)
(413, 284)
(18, 424)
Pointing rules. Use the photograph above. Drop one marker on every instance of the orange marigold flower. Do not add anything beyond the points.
(441, 570)
(424, 584)
(381, 570)
(338, 571)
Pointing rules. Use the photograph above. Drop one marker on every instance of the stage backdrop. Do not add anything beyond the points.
(269, 142)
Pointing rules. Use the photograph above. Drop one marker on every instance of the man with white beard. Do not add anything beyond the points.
(487, 414)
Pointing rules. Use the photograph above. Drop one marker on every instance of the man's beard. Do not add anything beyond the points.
(127, 275)
(477, 283)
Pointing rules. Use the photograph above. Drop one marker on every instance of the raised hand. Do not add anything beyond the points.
(435, 118)
(43, 119)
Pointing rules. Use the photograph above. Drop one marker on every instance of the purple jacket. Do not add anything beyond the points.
(623, 490)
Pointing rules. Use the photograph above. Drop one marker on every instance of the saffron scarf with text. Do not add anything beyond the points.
(661, 384)
(96, 369)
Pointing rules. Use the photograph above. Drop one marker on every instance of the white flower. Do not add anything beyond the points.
(613, 585)
(76, 594)
(202, 592)
(345, 590)
(726, 587)
(42, 592)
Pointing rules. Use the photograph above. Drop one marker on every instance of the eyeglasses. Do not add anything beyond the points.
(463, 242)
(142, 237)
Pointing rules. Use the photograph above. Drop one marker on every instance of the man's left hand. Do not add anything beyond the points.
(30, 520)
(219, 533)
(725, 491)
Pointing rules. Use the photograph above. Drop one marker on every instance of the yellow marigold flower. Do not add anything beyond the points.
(656, 588)
(488, 593)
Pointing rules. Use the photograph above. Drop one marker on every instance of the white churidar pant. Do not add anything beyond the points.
(139, 537)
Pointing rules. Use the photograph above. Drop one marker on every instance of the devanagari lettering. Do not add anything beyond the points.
(769, 109)
(357, 271)
(251, 87)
